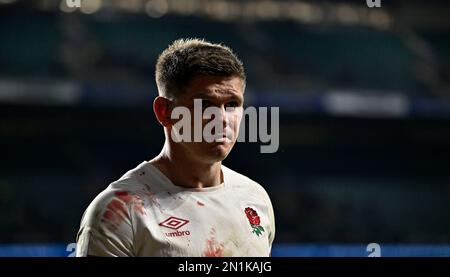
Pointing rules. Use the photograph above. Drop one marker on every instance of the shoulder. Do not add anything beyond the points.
(115, 203)
(240, 181)
(106, 227)
(249, 188)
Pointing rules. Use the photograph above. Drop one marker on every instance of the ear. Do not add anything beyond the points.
(162, 110)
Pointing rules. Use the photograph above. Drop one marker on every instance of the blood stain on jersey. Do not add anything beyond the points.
(135, 200)
(108, 215)
(213, 248)
(112, 219)
(139, 205)
(118, 208)
(116, 211)
(124, 196)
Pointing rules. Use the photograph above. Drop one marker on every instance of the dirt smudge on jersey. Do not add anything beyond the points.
(200, 204)
(151, 196)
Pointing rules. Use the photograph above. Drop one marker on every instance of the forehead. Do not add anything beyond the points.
(214, 86)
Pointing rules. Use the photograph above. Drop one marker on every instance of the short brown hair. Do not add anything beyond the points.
(185, 59)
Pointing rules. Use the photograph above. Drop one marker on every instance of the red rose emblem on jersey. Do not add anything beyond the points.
(254, 220)
(252, 216)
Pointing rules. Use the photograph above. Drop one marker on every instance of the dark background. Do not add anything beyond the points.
(364, 110)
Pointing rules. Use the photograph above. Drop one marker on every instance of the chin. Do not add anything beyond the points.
(218, 153)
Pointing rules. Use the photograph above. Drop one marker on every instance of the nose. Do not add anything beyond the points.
(224, 117)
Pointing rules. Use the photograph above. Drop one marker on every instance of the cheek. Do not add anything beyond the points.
(235, 118)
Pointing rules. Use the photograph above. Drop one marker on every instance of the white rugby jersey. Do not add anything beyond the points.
(145, 214)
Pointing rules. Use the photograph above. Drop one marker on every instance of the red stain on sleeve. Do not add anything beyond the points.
(124, 196)
(108, 215)
(117, 212)
(138, 205)
(135, 200)
(118, 207)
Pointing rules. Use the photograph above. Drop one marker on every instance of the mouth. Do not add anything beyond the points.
(219, 138)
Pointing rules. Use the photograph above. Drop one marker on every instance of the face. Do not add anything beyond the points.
(225, 95)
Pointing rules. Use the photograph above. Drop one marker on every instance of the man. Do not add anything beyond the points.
(184, 202)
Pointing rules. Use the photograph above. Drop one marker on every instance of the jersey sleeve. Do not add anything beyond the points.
(270, 212)
(106, 229)
(272, 222)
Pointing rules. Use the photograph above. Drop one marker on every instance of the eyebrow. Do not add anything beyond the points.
(229, 94)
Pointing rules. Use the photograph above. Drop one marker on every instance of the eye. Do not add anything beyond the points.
(206, 103)
(232, 104)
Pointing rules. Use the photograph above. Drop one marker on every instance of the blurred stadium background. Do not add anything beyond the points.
(364, 97)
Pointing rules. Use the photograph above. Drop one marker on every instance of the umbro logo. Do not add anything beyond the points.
(175, 223)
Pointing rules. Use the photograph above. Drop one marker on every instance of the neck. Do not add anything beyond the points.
(184, 171)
